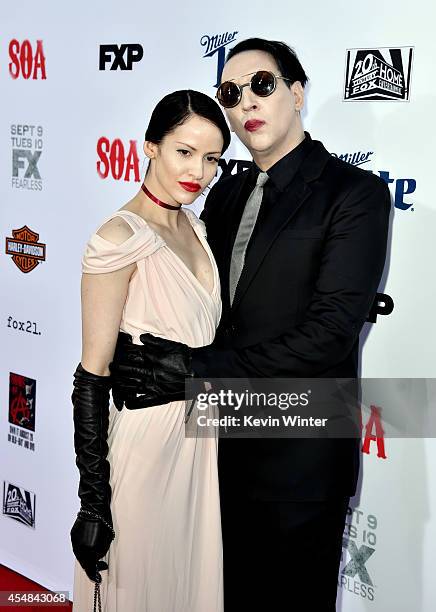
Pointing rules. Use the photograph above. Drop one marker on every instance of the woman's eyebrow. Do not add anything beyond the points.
(185, 144)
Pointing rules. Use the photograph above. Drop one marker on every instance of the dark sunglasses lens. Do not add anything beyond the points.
(228, 94)
(263, 83)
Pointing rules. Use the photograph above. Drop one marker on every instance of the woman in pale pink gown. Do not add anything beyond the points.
(148, 532)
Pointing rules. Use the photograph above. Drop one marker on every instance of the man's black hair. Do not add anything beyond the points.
(285, 57)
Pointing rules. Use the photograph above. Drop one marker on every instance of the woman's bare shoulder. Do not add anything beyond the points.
(116, 230)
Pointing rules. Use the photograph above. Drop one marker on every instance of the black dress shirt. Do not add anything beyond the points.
(280, 175)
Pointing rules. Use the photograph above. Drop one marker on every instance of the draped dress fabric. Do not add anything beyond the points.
(167, 553)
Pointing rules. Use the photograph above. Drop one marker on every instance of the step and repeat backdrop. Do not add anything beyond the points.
(78, 84)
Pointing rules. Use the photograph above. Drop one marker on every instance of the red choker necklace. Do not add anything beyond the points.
(157, 201)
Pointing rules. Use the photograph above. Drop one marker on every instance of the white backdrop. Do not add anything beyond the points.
(389, 556)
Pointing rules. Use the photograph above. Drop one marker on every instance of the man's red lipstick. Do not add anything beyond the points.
(253, 124)
(192, 187)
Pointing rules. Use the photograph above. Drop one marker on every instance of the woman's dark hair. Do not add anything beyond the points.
(285, 57)
(175, 108)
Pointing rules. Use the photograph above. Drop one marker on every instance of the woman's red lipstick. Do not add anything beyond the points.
(253, 124)
(192, 187)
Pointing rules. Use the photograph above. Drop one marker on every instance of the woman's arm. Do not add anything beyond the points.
(103, 299)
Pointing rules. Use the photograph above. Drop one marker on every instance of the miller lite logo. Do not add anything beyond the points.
(216, 44)
(25, 249)
(378, 74)
(357, 158)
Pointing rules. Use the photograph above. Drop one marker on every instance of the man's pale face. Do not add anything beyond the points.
(280, 130)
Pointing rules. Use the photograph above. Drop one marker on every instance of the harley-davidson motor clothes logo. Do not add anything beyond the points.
(25, 249)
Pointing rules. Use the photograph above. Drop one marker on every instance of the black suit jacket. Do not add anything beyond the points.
(309, 280)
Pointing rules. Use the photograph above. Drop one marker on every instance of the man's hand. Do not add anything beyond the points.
(149, 374)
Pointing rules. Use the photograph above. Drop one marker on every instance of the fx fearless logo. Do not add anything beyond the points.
(27, 145)
(358, 545)
(378, 74)
(27, 61)
(19, 504)
(25, 249)
(120, 57)
(216, 44)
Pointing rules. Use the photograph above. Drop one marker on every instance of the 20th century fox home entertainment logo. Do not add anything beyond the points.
(19, 504)
(378, 74)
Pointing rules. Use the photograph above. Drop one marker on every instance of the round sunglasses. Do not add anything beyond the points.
(263, 83)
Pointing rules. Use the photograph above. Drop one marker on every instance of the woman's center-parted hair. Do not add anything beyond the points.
(176, 108)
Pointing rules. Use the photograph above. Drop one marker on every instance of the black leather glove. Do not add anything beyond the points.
(92, 531)
(156, 370)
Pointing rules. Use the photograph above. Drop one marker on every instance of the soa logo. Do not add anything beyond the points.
(119, 161)
(25, 61)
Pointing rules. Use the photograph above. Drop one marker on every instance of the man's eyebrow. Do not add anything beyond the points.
(240, 76)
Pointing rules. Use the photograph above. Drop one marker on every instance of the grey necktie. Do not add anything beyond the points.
(245, 230)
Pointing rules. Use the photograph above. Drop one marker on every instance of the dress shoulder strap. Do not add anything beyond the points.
(102, 256)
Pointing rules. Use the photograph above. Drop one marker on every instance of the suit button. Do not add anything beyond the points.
(233, 328)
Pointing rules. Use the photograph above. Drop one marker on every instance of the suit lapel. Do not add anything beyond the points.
(284, 209)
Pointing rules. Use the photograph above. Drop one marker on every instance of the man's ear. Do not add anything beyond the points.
(150, 149)
(298, 95)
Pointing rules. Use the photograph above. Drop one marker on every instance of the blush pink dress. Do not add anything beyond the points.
(167, 553)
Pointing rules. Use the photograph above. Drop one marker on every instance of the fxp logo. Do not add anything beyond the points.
(216, 44)
(120, 57)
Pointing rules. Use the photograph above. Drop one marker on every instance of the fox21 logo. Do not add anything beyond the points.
(26, 60)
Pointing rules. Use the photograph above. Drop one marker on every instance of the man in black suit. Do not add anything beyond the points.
(295, 297)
